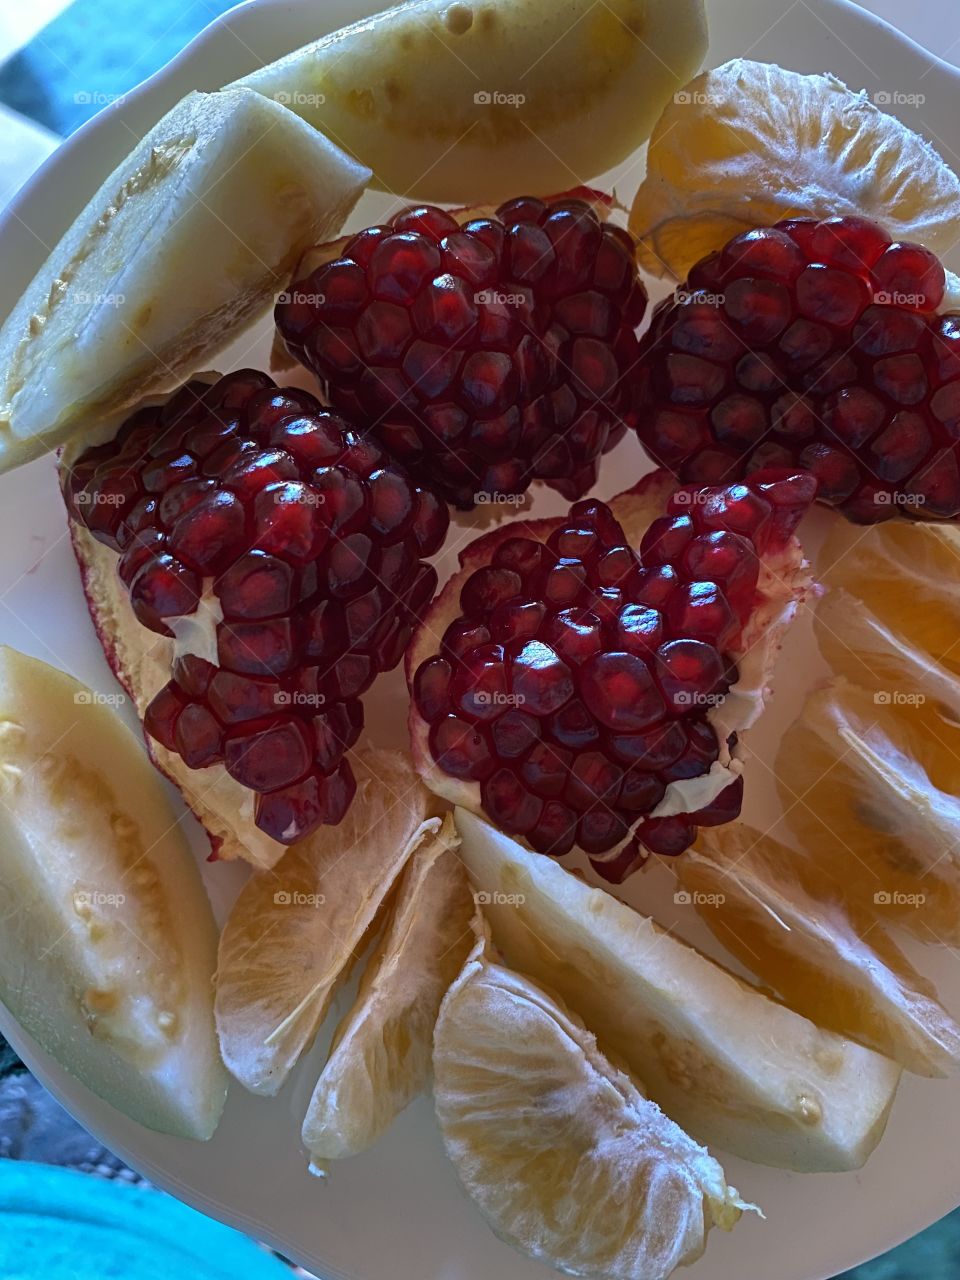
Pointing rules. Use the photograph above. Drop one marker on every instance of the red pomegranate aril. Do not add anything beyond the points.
(540, 681)
(235, 699)
(163, 588)
(211, 533)
(269, 758)
(863, 343)
(160, 717)
(640, 791)
(487, 318)
(197, 738)
(575, 634)
(258, 648)
(478, 687)
(516, 620)
(725, 808)
(573, 726)
(668, 837)
(461, 748)
(257, 585)
(638, 629)
(765, 251)
(701, 749)
(689, 672)
(599, 829)
(140, 548)
(651, 749)
(513, 734)
(288, 522)
(701, 610)
(908, 275)
(621, 692)
(510, 805)
(290, 813)
(555, 832)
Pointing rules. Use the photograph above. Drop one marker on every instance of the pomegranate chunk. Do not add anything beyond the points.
(810, 344)
(492, 353)
(310, 538)
(577, 706)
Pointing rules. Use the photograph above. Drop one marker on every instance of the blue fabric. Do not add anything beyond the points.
(95, 51)
(60, 1225)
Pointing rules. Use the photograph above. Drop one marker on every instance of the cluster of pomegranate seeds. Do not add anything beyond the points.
(252, 501)
(577, 682)
(811, 344)
(485, 354)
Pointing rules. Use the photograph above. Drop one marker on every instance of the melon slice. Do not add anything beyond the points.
(108, 945)
(733, 1068)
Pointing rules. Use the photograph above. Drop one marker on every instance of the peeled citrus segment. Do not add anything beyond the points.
(108, 944)
(904, 572)
(823, 956)
(468, 101)
(749, 143)
(293, 933)
(735, 1069)
(858, 645)
(865, 789)
(562, 1153)
(380, 1059)
(186, 242)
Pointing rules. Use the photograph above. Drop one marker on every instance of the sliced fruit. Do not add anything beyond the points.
(749, 143)
(868, 791)
(186, 242)
(280, 551)
(468, 101)
(858, 645)
(380, 1059)
(825, 957)
(904, 575)
(816, 345)
(734, 1068)
(563, 1154)
(489, 349)
(292, 935)
(108, 944)
(573, 688)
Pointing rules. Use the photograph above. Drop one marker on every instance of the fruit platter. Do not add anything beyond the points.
(479, 690)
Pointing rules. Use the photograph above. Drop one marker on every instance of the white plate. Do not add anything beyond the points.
(396, 1213)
